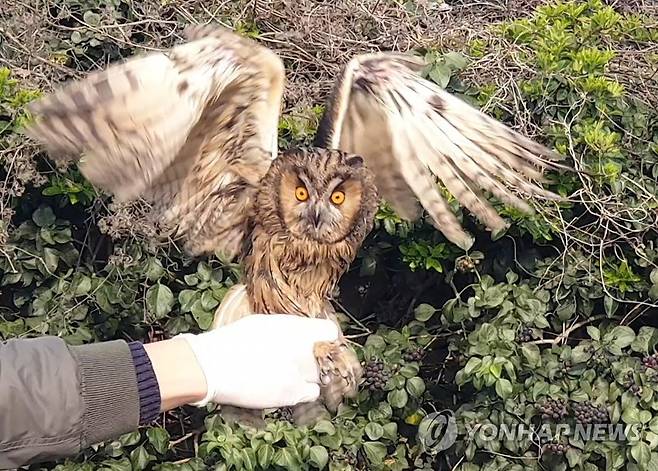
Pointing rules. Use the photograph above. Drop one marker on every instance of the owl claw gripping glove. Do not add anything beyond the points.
(262, 361)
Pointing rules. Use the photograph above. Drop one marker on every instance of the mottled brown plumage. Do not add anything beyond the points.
(194, 131)
(292, 267)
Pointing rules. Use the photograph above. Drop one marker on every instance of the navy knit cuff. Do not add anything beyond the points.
(147, 384)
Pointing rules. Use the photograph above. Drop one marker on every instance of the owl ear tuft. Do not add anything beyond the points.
(354, 161)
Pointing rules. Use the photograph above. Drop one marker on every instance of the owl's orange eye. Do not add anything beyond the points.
(337, 197)
(301, 193)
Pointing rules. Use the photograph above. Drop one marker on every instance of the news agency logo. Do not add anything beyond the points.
(437, 431)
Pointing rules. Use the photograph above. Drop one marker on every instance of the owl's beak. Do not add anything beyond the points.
(315, 217)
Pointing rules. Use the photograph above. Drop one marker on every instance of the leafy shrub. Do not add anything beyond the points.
(551, 323)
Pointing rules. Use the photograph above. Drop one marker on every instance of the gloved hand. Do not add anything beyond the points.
(262, 361)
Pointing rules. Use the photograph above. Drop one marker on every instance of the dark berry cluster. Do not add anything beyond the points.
(632, 386)
(283, 413)
(376, 375)
(553, 409)
(651, 361)
(525, 335)
(414, 354)
(557, 448)
(636, 390)
(588, 413)
(466, 264)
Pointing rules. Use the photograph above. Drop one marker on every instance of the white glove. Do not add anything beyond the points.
(262, 361)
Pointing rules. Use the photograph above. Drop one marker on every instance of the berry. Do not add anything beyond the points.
(526, 335)
(555, 409)
(557, 448)
(631, 385)
(284, 413)
(375, 375)
(588, 413)
(413, 354)
(651, 361)
(466, 264)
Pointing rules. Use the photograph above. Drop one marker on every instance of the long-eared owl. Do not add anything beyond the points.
(193, 130)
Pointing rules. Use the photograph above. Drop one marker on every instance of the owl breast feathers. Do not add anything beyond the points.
(194, 131)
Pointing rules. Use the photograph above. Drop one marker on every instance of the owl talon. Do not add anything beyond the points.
(340, 371)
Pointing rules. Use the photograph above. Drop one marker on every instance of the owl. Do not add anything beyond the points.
(193, 130)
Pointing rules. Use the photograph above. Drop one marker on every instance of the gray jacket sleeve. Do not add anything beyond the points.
(56, 400)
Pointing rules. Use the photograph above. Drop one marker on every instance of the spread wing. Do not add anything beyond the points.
(410, 131)
(192, 130)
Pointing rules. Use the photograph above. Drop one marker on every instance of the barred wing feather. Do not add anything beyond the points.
(192, 130)
(410, 131)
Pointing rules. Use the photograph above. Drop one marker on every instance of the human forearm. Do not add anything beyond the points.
(56, 400)
(180, 378)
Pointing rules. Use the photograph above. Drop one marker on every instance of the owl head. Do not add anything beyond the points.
(318, 195)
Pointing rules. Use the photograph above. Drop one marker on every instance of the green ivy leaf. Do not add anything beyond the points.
(325, 426)
(208, 301)
(114, 449)
(574, 457)
(641, 453)
(91, 18)
(159, 300)
(374, 431)
(410, 370)
(154, 269)
(398, 398)
(186, 299)
(644, 340)
(51, 259)
(202, 317)
(504, 388)
(159, 438)
(130, 439)
(455, 60)
(610, 305)
(191, 280)
(114, 465)
(593, 332)
(416, 386)
(375, 452)
(580, 354)
(140, 458)
(265, 454)
(81, 285)
(382, 412)
(621, 336)
(284, 458)
(631, 415)
(319, 456)
(331, 441)
(43, 216)
(653, 425)
(248, 459)
(424, 312)
(653, 464)
(204, 271)
(376, 342)
(472, 364)
(390, 431)
(440, 74)
(531, 354)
